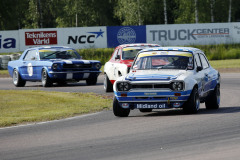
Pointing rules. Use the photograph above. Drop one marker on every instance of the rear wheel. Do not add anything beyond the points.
(213, 101)
(108, 87)
(118, 110)
(145, 110)
(46, 81)
(17, 79)
(193, 103)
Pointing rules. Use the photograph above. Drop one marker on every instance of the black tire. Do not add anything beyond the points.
(118, 110)
(17, 79)
(213, 101)
(46, 81)
(193, 103)
(145, 110)
(108, 87)
(91, 81)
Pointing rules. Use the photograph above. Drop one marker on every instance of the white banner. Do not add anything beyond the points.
(189, 34)
(9, 41)
(80, 37)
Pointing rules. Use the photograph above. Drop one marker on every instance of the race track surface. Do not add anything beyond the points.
(162, 134)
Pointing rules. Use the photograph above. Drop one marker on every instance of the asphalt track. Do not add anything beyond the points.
(162, 134)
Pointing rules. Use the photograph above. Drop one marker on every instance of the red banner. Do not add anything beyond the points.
(41, 38)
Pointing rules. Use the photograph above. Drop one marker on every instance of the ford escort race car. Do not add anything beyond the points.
(53, 64)
(120, 62)
(162, 78)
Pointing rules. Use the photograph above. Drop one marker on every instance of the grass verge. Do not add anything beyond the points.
(19, 107)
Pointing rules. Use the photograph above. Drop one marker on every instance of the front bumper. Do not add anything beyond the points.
(154, 99)
(77, 75)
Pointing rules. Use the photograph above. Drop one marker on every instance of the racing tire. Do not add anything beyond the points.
(46, 81)
(193, 103)
(145, 110)
(17, 79)
(108, 87)
(118, 110)
(213, 101)
(91, 81)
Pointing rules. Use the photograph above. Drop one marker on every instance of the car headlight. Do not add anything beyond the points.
(55, 66)
(98, 66)
(123, 86)
(177, 86)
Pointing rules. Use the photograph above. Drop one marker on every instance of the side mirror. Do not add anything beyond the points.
(199, 68)
(33, 58)
(117, 57)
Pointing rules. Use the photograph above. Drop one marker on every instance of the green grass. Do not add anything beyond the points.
(4, 72)
(19, 107)
(231, 63)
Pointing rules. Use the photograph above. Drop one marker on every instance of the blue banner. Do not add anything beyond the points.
(117, 35)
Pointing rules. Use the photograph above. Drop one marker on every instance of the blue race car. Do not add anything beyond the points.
(53, 64)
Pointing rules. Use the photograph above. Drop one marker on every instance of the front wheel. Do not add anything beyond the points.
(193, 103)
(213, 101)
(118, 110)
(17, 79)
(46, 81)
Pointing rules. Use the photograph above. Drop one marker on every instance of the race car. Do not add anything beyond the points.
(52, 64)
(167, 77)
(120, 62)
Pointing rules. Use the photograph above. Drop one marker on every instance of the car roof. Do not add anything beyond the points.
(138, 44)
(50, 47)
(183, 49)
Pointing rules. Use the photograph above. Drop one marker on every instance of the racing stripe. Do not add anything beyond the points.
(67, 61)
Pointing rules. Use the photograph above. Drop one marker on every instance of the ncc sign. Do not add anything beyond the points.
(41, 38)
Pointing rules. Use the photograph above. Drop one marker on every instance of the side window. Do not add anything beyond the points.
(204, 61)
(114, 54)
(30, 55)
(197, 60)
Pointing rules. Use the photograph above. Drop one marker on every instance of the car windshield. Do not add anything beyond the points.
(131, 52)
(163, 60)
(58, 54)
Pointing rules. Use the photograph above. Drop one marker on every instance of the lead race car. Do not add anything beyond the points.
(53, 64)
(167, 77)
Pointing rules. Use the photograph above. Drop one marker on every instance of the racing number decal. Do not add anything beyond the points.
(30, 69)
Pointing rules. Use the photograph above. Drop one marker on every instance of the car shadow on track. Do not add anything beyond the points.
(67, 85)
(179, 112)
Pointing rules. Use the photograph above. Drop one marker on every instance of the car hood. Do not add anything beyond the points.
(72, 61)
(142, 75)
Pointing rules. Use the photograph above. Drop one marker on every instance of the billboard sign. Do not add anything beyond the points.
(118, 35)
(41, 38)
(189, 34)
(9, 41)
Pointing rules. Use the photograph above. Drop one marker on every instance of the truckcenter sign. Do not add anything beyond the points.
(188, 34)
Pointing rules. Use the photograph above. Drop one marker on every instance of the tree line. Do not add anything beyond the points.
(23, 14)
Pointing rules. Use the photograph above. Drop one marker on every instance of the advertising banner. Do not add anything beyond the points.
(118, 35)
(38, 37)
(9, 41)
(83, 37)
(189, 34)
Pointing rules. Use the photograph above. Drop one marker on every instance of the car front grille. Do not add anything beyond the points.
(150, 86)
(77, 66)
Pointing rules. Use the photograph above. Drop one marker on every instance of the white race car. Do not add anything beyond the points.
(120, 62)
(167, 77)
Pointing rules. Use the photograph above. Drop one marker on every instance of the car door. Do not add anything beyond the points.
(199, 75)
(29, 65)
(207, 76)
